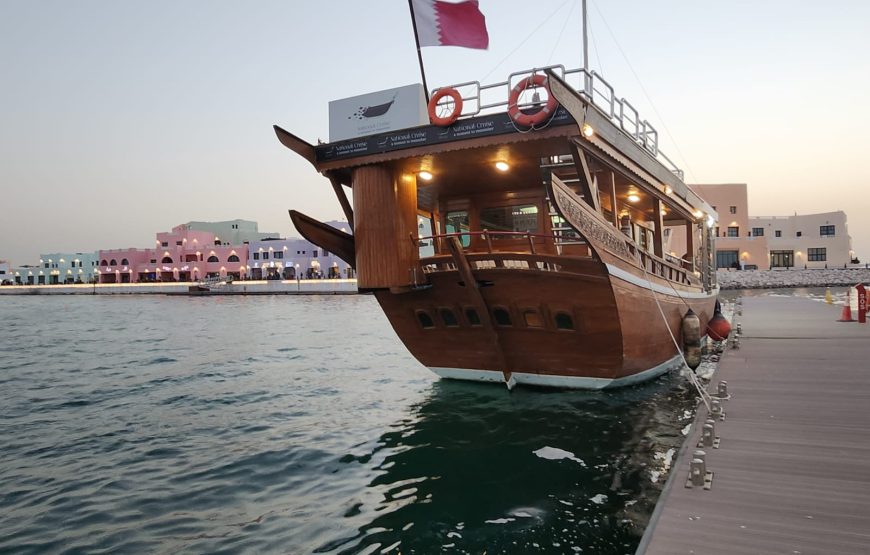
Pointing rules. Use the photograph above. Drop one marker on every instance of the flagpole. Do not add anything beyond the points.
(419, 53)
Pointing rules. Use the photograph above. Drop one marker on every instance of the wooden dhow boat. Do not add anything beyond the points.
(543, 239)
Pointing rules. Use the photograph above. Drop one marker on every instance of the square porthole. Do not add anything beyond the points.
(472, 316)
(502, 316)
(532, 318)
(564, 321)
(424, 319)
(448, 317)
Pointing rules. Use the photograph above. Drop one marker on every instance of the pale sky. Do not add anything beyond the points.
(119, 119)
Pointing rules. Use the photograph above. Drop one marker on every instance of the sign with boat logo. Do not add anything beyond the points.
(378, 112)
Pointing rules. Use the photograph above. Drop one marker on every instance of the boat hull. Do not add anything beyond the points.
(621, 332)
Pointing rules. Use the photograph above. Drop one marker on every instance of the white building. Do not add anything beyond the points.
(294, 257)
(232, 232)
(811, 240)
(7, 275)
(58, 268)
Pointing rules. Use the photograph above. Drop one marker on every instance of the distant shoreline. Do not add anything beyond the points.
(264, 287)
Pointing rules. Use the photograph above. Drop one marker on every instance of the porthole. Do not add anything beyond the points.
(564, 321)
(472, 316)
(448, 317)
(501, 316)
(425, 320)
(533, 318)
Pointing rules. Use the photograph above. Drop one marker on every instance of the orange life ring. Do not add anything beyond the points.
(539, 115)
(444, 121)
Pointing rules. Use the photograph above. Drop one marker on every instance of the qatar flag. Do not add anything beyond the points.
(441, 23)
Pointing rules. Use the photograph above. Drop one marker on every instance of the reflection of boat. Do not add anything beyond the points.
(567, 252)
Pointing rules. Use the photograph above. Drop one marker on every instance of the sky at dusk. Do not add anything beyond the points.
(119, 119)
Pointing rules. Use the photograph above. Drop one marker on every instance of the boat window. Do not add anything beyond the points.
(502, 316)
(425, 319)
(457, 222)
(523, 218)
(448, 318)
(564, 321)
(472, 316)
(533, 318)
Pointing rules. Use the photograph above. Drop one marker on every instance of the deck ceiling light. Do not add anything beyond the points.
(502, 166)
(425, 176)
(633, 197)
(698, 213)
(587, 130)
(668, 190)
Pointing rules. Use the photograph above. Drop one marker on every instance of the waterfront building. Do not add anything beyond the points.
(7, 274)
(232, 232)
(65, 268)
(293, 257)
(179, 255)
(753, 242)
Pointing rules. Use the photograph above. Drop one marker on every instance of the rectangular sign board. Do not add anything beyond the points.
(377, 112)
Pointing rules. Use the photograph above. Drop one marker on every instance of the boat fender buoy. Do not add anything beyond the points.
(449, 119)
(718, 328)
(539, 116)
(691, 328)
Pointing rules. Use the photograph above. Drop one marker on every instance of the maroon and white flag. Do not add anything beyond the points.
(441, 23)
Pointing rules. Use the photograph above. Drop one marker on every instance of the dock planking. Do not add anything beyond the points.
(792, 474)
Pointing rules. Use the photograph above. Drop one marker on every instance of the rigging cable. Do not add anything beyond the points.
(643, 89)
(524, 41)
(561, 32)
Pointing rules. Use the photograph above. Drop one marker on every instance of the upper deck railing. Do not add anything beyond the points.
(480, 99)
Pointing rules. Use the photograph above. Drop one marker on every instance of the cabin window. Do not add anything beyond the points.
(472, 316)
(457, 222)
(449, 318)
(523, 219)
(213, 258)
(426, 321)
(727, 259)
(233, 258)
(564, 321)
(533, 318)
(501, 316)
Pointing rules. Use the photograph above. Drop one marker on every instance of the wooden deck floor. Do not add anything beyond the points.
(792, 474)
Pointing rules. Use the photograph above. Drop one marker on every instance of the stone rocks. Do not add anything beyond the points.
(772, 279)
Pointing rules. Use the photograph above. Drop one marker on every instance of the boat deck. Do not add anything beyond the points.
(792, 474)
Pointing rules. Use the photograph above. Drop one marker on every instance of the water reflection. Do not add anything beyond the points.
(461, 473)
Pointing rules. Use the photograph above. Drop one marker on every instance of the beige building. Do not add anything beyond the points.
(811, 241)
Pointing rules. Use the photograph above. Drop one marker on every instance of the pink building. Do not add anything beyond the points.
(180, 255)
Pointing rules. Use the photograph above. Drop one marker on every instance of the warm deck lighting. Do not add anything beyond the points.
(633, 198)
(587, 130)
(698, 213)
(502, 166)
(668, 190)
(425, 176)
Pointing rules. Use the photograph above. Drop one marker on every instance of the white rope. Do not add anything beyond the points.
(693, 378)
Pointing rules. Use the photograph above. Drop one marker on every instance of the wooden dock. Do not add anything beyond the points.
(792, 473)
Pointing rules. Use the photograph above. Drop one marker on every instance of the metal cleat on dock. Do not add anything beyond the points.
(716, 410)
(708, 435)
(698, 474)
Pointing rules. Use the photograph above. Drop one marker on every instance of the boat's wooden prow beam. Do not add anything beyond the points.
(467, 276)
(325, 236)
(297, 145)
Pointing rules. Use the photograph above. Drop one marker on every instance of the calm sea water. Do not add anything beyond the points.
(301, 425)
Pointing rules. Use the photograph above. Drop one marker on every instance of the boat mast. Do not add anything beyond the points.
(587, 82)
